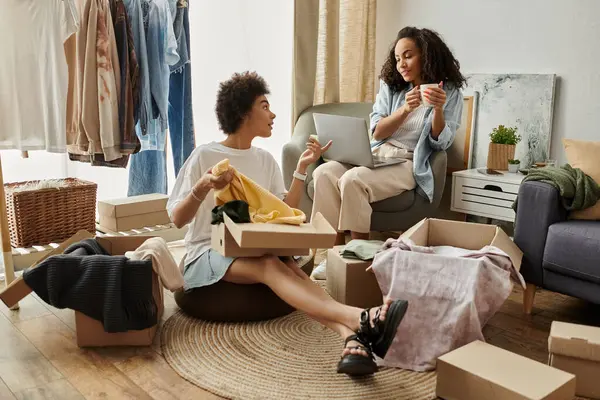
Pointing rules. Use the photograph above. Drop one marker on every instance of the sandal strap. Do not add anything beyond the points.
(365, 330)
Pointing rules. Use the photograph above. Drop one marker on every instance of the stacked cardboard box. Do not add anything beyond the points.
(133, 212)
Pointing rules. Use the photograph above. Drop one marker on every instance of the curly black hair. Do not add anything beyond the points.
(236, 97)
(437, 61)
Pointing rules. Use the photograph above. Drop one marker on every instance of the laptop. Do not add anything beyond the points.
(351, 141)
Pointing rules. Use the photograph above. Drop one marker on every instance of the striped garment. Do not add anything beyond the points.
(408, 134)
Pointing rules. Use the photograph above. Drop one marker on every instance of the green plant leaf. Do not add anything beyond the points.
(505, 135)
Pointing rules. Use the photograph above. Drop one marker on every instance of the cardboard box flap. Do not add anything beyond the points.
(134, 205)
(573, 340)
(469, 236)
(472, 236)
(18, 289)
(318, 234)
(504, 243)
(499, 368)
(418, 233)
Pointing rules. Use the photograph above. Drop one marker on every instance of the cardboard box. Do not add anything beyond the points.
(465, 235)
(90, 332)
(480, 371)
(231, 239)
(349, 282)
(576, 349)
(134, 212)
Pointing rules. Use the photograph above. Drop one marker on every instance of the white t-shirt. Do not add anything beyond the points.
(33, 73)
(257, 164)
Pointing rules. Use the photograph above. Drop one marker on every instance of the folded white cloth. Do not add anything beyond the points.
(163, 262)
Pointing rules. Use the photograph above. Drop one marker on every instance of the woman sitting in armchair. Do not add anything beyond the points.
(419, 64)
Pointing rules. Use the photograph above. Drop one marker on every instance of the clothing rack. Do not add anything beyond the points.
(7, 257)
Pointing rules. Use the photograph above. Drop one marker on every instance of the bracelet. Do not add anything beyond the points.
(195, 197)
(300, 176)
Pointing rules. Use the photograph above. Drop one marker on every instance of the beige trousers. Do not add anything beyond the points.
(343, 194)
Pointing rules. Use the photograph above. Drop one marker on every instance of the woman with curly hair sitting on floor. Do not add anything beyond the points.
(244, 114)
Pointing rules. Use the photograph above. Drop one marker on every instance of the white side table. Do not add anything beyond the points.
(488, 196)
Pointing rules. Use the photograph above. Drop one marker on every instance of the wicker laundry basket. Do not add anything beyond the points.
(48, 215)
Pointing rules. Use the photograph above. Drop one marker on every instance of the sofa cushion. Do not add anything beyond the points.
(573, 249)
(394, 204)
(584, 155)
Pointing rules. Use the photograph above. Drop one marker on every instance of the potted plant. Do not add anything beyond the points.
(503, 141)
(513, 165)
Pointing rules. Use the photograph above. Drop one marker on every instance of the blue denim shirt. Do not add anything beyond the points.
(134, 12)
(388, 101)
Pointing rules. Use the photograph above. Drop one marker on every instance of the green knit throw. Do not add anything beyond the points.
(577, 190)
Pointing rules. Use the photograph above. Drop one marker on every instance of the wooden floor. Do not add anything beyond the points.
(39, 358)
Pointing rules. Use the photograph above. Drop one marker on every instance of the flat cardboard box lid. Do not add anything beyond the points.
(573, 340)
(521, 375)
(134, 205)
(316, 234)
(466, 235)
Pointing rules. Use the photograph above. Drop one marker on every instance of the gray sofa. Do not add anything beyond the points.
(394, 214)
(560, 255)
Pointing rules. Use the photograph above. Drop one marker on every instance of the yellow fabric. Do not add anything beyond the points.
(584, 155)
(263, 205)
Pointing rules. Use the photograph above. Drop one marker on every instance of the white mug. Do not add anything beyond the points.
(422, 89)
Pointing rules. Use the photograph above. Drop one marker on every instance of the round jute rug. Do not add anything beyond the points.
(292, 357)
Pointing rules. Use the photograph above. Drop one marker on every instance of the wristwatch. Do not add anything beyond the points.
(300, 176)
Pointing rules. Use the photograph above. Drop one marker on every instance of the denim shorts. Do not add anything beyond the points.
(205, 270)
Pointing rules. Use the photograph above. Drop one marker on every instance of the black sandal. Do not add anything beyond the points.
(357, 364)
(381, 334)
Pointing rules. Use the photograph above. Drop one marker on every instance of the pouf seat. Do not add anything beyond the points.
(231, 302)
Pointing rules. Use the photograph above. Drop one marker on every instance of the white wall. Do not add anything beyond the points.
(231, 36)
(515, 36)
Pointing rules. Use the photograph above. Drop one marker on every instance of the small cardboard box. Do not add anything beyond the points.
(133, 212)
(90, 332)
(349, 282)
(231, 239)
(576, 349)
(480, 371)
(465, 235)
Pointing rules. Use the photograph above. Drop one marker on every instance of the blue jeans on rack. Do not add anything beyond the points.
(148, 168)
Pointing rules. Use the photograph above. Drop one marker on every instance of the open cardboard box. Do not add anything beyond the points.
(90, 332)
(576, 349)
(480, 371)
(465, 235)
(231, 239)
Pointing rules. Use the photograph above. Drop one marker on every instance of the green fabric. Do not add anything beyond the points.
(361, 249)
(577, 190)
(237, 210)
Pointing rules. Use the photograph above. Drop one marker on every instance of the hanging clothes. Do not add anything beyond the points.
(33, 73)
(101, 104)
(148, 169)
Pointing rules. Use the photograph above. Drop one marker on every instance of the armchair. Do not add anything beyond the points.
(560, 255)
(394, 214)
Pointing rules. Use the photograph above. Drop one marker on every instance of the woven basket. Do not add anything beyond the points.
(43, 216)
(499, 154)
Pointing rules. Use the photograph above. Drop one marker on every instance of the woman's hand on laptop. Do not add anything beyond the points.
(313, 152)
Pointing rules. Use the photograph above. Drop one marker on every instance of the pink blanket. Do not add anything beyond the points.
(452, 293)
